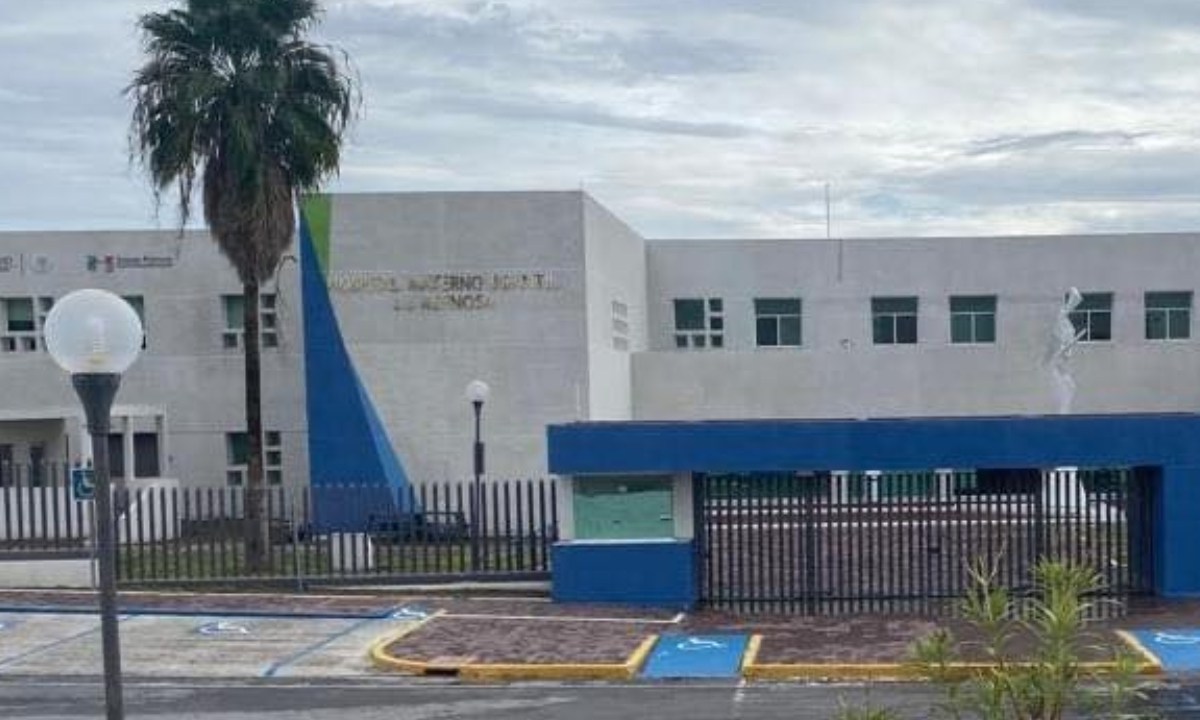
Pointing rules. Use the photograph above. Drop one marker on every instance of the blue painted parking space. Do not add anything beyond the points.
(1178, 650)
(678, 655)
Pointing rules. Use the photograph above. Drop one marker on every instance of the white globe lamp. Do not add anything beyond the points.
(95, 336)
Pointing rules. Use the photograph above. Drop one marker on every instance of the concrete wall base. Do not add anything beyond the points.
(47, 573)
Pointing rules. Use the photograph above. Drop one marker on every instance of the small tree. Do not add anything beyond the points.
(1010, 686)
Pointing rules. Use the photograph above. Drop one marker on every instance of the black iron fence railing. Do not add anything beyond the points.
(822, 543)
(334, 533)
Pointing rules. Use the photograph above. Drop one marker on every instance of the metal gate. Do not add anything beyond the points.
(814, 543)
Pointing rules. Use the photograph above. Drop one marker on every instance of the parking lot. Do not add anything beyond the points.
(164, 646)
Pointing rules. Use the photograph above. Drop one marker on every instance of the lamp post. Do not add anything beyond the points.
(95, 336)
(477, 394)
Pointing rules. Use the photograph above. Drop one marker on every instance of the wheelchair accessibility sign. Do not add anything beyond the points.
(83, 484)
(1177, 649)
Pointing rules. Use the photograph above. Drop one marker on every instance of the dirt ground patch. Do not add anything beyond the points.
(520, 641)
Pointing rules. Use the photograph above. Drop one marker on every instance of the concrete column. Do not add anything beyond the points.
(873, 478)
(945, 483)
(565, 499)
(83, 441)
(682, 506)
(840, 480)
(127, 444)
(164, 455)
(1062, 490)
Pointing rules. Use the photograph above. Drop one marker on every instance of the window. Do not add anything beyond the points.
(614, 507)
(777, 322)
(1168, 315)
(973, 318)
(235, 324)
(894, 320)
(19, 314)
(699, 323)
(139, 306)
(23, 318)
(1093, 318)
(145, 455)
(8, 471)
(237, 454)
(620, 326)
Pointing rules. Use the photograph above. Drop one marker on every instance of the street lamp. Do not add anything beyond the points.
(95, 336)
(477, 394)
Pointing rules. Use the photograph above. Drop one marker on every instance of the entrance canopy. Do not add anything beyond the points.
(606, 448)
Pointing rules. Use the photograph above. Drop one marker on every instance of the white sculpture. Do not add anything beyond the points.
(1063, 341)
(1070, 495)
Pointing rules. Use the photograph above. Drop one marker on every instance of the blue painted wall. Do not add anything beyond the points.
(1177, 532)
(1167, 447)
(347, 443)
(656, 573)
(902, 444)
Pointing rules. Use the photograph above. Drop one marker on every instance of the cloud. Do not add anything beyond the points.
(1079, 139)
(494, 36)
(687, 117)
(1162, 13)
(578, 113)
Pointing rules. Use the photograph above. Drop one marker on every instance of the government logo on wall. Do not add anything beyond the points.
(24, 264)
(113, 263)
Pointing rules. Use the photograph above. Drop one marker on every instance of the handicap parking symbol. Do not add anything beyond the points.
(222, 628)
(409, 612)
(1169, 638)
(693, 644)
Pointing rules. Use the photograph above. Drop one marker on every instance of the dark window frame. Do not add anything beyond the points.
(894, 319)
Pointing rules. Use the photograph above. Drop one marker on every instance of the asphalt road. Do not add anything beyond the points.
(424, 700)
(48, 699)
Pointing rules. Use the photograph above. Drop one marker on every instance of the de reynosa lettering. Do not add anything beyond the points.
(441, 291)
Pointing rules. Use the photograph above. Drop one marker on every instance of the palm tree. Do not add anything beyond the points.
(233, 93)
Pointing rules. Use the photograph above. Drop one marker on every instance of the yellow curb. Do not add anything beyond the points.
(753, 670)
(383, 661)
(750, 656)
(1153, 665)
(495, 672)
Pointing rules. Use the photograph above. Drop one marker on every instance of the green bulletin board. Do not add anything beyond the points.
(624, 508)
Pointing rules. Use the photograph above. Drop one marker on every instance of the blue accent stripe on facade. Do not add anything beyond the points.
(891, 444)
(347, 442)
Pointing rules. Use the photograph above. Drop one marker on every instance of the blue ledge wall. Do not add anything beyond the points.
(659, 573)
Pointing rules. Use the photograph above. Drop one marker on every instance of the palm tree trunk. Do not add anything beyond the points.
(256, 524)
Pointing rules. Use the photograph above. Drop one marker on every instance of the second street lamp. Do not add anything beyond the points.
(95, 336)
(477, 393)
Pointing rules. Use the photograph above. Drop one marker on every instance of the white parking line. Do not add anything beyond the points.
(554, 618)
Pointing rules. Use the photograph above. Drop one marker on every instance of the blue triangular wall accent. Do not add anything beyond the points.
(347, 443)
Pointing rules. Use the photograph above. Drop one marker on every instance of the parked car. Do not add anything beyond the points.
(423, 526)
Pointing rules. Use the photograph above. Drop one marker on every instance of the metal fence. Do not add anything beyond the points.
(330, 534)
(905, 542)
(37, 513)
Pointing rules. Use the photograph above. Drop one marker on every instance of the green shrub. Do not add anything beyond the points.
(1010, 685)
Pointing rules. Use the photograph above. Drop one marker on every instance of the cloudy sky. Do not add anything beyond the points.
(688, 118)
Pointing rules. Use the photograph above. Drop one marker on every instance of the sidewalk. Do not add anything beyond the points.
(522, 638)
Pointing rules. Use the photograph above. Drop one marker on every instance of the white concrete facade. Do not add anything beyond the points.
(567, 313)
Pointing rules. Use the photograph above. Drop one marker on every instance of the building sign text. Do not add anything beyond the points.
(442, 291)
